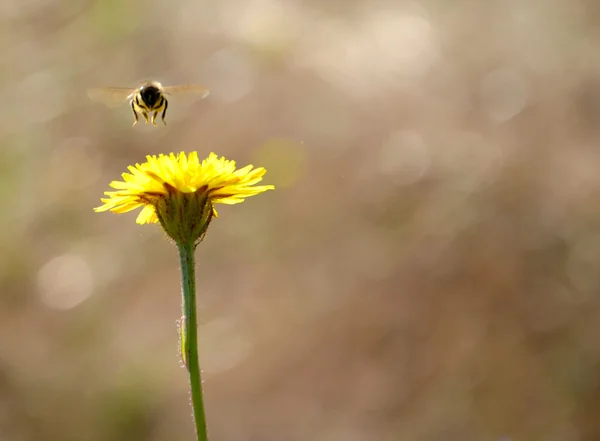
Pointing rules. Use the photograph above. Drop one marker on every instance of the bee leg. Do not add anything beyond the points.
(153, 119)
(135, 115)
(165, 112)
(145, 115)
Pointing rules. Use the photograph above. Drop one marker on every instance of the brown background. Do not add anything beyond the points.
(428, 268)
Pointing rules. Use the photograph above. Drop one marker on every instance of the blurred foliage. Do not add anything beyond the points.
(428, 268)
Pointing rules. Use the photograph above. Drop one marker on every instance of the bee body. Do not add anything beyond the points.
(148, 100)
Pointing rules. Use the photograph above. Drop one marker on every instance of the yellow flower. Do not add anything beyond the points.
(179, 191)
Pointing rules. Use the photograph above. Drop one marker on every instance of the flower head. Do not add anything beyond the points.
(179, 191)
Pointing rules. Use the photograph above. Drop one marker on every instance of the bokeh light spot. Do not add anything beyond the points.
(504, 94)
(65, 281)
(230, 75)
(114, 18)
(404, 157)
(225, 347)
(285, 160)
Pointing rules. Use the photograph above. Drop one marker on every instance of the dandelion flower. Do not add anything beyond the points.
(179, 191)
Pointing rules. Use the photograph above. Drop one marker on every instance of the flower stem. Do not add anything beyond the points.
(189, 344)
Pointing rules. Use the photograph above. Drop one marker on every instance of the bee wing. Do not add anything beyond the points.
(189, 89)
(111, 96)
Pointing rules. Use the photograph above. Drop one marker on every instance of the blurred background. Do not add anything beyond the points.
(428, 268)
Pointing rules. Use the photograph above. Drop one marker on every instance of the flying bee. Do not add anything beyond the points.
(148, 100)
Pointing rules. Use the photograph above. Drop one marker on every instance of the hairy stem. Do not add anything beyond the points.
(189, 346)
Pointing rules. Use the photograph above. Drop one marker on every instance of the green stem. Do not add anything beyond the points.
(189, 345)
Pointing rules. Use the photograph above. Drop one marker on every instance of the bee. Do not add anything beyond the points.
(148, 100)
